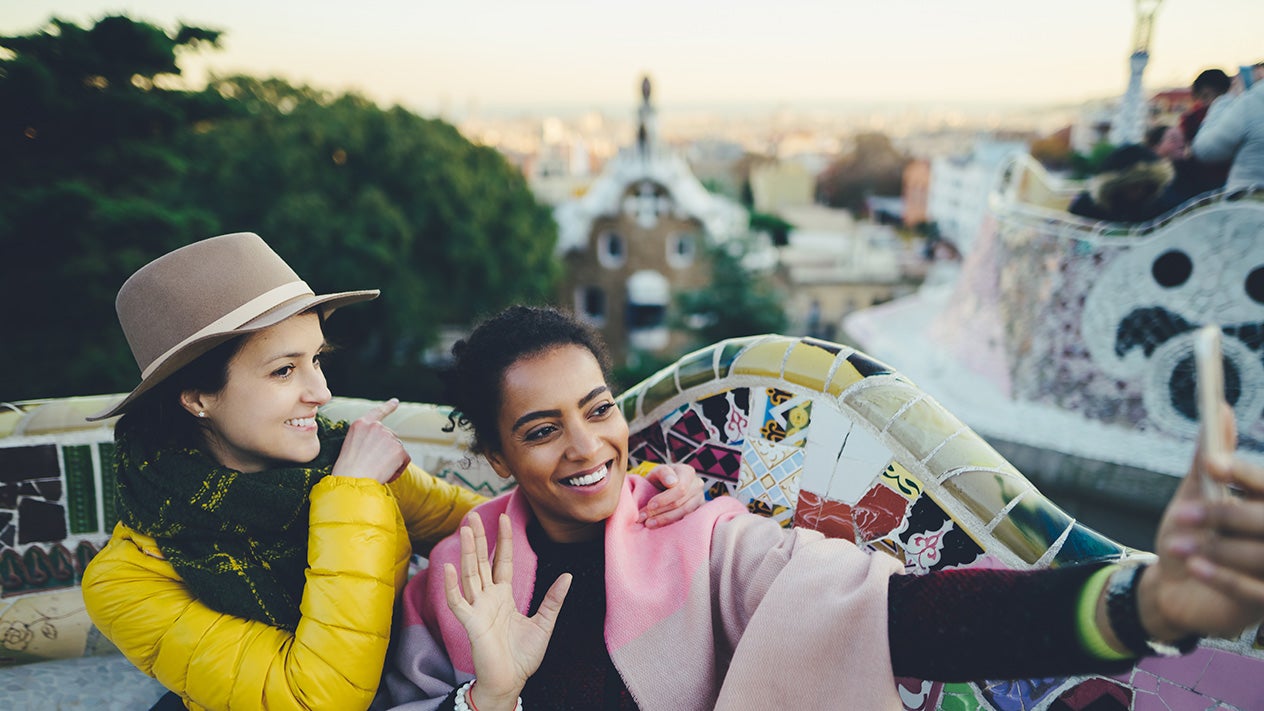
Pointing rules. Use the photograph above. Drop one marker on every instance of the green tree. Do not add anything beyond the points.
(355, 196)
(107, 167)
(86, 138)
(737, 302)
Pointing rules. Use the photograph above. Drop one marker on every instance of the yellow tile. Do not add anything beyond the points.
(809, 365)
(923, 427)
(763, 358)
(900, 479)
(845, 376)
(879, 402)
(966, 449)
(985, 493)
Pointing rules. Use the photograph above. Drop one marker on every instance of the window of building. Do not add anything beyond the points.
(612, 251)
(590, 304)
(681, 249)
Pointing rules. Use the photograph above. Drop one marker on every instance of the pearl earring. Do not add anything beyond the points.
(202, 413)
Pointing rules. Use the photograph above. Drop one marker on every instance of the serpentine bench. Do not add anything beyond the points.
(809, 432)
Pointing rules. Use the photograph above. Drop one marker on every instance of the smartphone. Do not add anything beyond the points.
(1209, 367)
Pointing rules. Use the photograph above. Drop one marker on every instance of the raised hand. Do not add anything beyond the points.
(507, 646)
(371, 450)
(682, 493)
(1209, 579)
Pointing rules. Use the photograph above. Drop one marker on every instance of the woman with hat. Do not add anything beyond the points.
(261, 547)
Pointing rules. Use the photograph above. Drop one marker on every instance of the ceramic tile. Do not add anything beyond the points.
(727, 415)
(965, 448)
(923, 427)
(782, 416)
(985, 493)
(769, 475)
(1234, 679)
(1084, 545)
(763, 358)
(696, 368)
(809, 364)
(863, 459)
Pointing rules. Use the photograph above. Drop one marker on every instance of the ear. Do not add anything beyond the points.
(499, 465)
(195, 401)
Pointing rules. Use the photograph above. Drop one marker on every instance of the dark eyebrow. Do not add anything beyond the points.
(324, 347)
(541, 414)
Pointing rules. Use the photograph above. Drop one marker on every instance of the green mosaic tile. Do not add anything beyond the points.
(627, 404)
(81, 488)
(659, 388)
(729, 353)
(108, 485)
(696, 368)
(960, 697)
(1032, 526)
(1084, 545)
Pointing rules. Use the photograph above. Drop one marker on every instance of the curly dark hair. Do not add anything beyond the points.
(473, 382)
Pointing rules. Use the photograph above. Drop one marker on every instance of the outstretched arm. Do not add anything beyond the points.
(506, 646)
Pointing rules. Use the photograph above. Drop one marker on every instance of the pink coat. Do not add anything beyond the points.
(722, 610)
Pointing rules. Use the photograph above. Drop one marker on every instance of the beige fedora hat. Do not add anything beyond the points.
(188, 301)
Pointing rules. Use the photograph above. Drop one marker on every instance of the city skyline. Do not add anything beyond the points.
(563, 55)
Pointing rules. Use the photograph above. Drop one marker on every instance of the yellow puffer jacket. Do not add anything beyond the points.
(358, 551)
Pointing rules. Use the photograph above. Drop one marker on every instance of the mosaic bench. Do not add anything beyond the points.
(808, 432)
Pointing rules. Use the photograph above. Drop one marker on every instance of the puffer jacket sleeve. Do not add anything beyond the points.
(432, 508)
(357, 555)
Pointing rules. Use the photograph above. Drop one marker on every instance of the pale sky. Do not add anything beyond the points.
(487, 54)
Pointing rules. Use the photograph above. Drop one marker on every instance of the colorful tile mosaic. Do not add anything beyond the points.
(782, 416)
(809, 433)
(769, 480)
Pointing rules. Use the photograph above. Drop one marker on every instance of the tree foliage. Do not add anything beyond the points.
(350, 194)
(872, 167)
(737, 302)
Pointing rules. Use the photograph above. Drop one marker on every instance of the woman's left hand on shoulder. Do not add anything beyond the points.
(1209, 579)
(683, 491)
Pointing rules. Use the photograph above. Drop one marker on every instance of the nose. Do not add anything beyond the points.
(583, 441)
(315, 390)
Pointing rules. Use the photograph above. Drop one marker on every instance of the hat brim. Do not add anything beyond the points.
(194, 349)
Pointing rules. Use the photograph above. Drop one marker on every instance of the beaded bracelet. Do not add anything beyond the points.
(465, 701)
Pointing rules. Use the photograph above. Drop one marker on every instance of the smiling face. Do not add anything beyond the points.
(564, 439)
(265, 415)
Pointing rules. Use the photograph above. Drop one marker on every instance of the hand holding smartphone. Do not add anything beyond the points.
(1209, 366)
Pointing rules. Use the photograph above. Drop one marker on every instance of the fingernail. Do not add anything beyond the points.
(1202, 568)
(640, 518)
(652, 523)
(1190, 512)
(670, 480)
(1183, 545)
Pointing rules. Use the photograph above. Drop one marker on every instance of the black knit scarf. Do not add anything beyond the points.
(238, 540)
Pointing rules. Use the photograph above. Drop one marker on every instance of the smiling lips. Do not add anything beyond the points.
(302, 422)
(593, 477)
